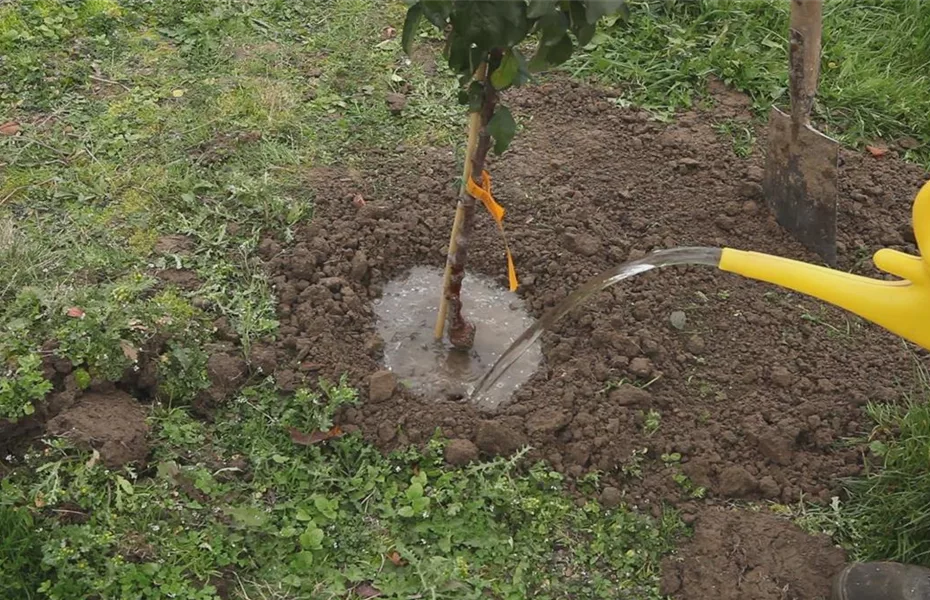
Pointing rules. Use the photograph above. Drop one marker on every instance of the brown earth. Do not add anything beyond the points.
(755, 394)
(739, 554)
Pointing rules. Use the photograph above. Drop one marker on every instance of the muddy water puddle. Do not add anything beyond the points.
(407, 313)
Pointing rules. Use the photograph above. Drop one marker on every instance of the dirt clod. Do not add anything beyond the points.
(641, 367)
(782, 377)
(381, 386)
(182, 278)
(497, 439)
(548, 420)
(227, 371)
(776, 448)
(583, 244)
(610, 497)
(460, 452)
(112, 423)
(737, 482)
(174, 244)
(745, 555)
(628, 395)
(396, 103)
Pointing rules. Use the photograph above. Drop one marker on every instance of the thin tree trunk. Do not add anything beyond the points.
(474, 129)
(461, 332)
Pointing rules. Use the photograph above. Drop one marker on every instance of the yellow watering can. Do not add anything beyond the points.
(902, 307)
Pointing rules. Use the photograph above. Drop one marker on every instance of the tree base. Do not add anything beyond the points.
(462, 336)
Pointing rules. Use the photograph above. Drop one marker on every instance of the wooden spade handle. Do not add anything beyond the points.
(804, 57)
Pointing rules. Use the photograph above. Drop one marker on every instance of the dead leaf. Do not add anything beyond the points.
(395, 557)
(311, 439)
(129, 351)
(92, 460)
(877, 151)
(388, 33)
(39, 500)
(358, 201)
(366, 590)
(9, 128)
(75, 313)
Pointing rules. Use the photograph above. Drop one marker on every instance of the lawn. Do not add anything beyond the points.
(144, 137)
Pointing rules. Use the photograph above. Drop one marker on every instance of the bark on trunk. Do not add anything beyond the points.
(462, 332)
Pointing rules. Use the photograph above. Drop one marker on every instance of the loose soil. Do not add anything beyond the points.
(111, 423)
(738, 554)
(756, 393)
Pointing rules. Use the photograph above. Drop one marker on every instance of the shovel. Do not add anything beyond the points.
(801, 164)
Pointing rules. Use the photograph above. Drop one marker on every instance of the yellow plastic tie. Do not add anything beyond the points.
(483, 192)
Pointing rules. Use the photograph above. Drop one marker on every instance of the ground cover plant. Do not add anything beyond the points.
(159, 162)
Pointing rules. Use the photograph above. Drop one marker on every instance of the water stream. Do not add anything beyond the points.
(487, 394)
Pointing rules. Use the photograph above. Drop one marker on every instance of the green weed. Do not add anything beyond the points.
(741, 135)
(651, 422)
(319, 520)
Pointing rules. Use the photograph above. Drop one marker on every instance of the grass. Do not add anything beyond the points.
(873, 72)
(126, 122)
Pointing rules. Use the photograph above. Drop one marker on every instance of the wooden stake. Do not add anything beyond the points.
(474, 128)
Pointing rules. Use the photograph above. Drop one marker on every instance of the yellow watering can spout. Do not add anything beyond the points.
(902, 307)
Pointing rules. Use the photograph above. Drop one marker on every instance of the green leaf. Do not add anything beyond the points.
(473, 96)
(561, 51)
(878, 448)
(124, 485)
(502, 128)
(585, 34)
(437, 11)
(552, 27)
(523, 73)
(576, 14)
(312, 538)
(411, 23)
(82, 378)
(595, 9)
(248, 516)
(539, 8)
(503, 76)
(414, 491)
(303, 515)
(327, 508)
(486, 24)
(459, 54)
(539, 62)
(405, 511)
(303, 560)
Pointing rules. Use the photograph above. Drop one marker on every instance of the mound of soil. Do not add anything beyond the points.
(754, 392)
(112, 423)
(740, 554)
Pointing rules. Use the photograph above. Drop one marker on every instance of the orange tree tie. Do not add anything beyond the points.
(483, 193)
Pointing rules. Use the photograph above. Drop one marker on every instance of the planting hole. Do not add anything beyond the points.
(406, 313)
